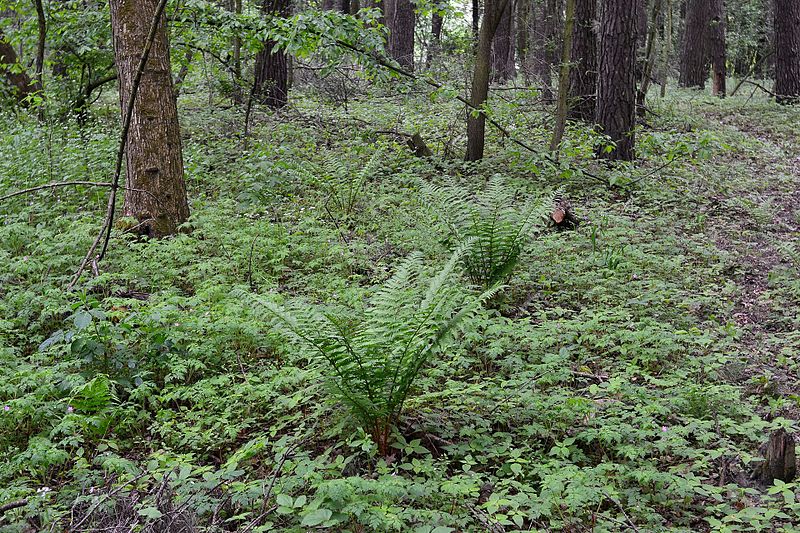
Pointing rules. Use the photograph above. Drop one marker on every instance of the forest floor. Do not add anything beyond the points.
(624, 381)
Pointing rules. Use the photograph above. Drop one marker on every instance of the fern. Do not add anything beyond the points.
(343, 184)
(499, 230)
(375, 359)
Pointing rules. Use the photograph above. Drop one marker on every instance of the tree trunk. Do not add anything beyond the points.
(437, 21)
(41, 24)
(271, 85)
(779, 459)
(563, 78)
(787, 51)
(400, 22)
(545, 43)
(667, 51)
(503, 47)
(583, 74)
(717, 49)
(523, 30)
(694, 63)
(616, 87)
(21, 83)
(476, 19)
(155, 191)
(476, 124)
(649, 57)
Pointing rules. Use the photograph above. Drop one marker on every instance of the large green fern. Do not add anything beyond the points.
(375, 358)
(491, 219)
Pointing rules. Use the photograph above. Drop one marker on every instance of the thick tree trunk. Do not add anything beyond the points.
(583, 74)
(21, 84)
(271, 85)
(476, 124)
(400, 22)
(616, 87)
(787, 51)
(717, 48)
(694, 62)
(342, 6)
(155, 193)
(503, 68)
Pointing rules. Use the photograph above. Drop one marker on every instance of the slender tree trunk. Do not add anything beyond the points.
(437, 21)
(400, 21)
(476, 124)
(667, 51)
(583, 74)
(503, 47)
(694, 63)
(787, 51)
(20, 81)
(155, 191)
(717, 48)
(616, 87)
(563, 78)
(545, 44)
(41, 24)
(649, 56)
(522, 33)
(271, 85)
(237, 56)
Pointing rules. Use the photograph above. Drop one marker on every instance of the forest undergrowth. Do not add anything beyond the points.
(617, 376)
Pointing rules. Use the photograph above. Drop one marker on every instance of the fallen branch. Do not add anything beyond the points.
(53, 186)
(12, 505)
(57, 184)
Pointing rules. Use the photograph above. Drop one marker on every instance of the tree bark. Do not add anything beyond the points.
(476, 123)
(787, 51)
(400, 22)
(155, 192)
(14, 72)
(545, 43)
(583, 74)
(476, 19)
(503, 67)
(717, 49)
(271, 85)
(616, 87)
(694, 62)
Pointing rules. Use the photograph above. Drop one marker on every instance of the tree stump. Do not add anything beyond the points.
(779, 459)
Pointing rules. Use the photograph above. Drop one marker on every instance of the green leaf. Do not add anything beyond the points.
(284, 500)
(82, 319)
(150, 512)
(316, 517)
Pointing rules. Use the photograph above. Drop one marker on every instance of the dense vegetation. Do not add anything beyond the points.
(348, 336)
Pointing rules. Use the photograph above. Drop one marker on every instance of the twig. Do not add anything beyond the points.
(276, 473)
(112, 200)
(621, 508)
